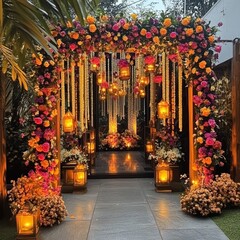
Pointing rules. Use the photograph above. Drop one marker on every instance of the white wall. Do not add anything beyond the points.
(227, 12)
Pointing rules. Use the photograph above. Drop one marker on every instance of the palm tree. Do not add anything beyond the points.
(23, 25)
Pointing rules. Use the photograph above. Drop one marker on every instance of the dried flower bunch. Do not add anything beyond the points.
(37, 192)
(211, 199)
(74, 154)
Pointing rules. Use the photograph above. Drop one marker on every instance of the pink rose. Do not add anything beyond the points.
(41, 156)
(116, 27)
(148, 35)
(157, 79)
(209, 141)
(37, 120)
(212, 123)
(218, 49)
(45, 147)
(204, 84)
(72, 46)
(217, 145)
(173, 35)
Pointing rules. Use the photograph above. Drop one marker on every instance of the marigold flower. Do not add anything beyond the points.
(202, 64)
(167, 22)
(38, 62)
(134, 16)
(46, 123)
(208, 70)
(211, 38)
(156, 39)
(200, 140)
(90, 19)
(92, 28)
(124, 38)
(207, 160)
(126, 26)
(39, 148)
(163, 31)
(74, 35)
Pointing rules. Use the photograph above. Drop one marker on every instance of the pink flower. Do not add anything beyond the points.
(197, 100)
(37, 120)
(45, 147)
(122, 21)
(218, 49)
(173, 35)
(123, 63)
(116, 27)
(212, 123)
(149, 60)
(41, 156)
(220, 24)
(95, 60)
(173, 57)
(204, 84)
(136, 90)
(72, 46)
(157, 79)
(209, 141)
(104, 85)
(217, 145)
(148, 35)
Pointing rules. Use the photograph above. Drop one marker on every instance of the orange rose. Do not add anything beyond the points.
(115, 38)
(39, 148)
(194, 70)
(69, 25)
(202, 64)
(44, 163)
(59, 42)
(126, 26)
(211, 39)
(191, 52)
(156, 39)
(124, 38)
(38, 61)
(196, 59)
(205, 111)
(46, 123)
(208, 70)
(80, 43)
(54, 33)
(185, 21)
(163, 31)
(143, 32)
(189, 32)
(46, 64)
(92, 28)
(200, 140)
(74, 35)
(104, 18)
(134, 16)
(167, 22)
(207, 160)
(199, 29)
(90, 19)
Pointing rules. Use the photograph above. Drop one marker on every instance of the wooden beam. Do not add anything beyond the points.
(235, 79)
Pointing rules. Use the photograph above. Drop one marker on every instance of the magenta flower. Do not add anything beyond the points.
(41, 156)
(210, 141)
(37, 120)
(212, 123)
(148, 35)
(116, 27)
(173, 35)
(204, 84)
(45, 147)
(218, 48)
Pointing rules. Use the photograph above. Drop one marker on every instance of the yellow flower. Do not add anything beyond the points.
(56, 171)
(92, 28)
(109, 35)
(90, 19)
(163, 31)
(189, 32)
(167, 22)
(199, 29)
(205, 111)
(200, 140)
(52, 62)
(191, 52)
(115, 38)
(202, 64)
(46, 123)
(194, 70)
(208, 70)
(124, 38)
(134, 16)
(46, 64)
(196, 59)
(128, 56)
(143, 32)
(88, 37)
(185, 21)
(69, 25)
(80, 43)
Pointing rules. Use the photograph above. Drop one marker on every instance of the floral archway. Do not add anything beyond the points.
(191, 41)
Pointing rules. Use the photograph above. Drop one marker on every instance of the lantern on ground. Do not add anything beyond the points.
(80, 177)
(27, 223)
(163, 109)
(91, 147)
(68, 122)
(163, 177)
(149, 147)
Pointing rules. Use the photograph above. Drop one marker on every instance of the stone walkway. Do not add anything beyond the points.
(128, 209)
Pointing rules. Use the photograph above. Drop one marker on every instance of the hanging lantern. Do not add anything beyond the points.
(163, 177)
(150, 67)
(149, 147)
(144, 81)
(27, 223)
(80, 177)
(149, 63)
(124, 73)
(91, 147)
(142, 93)
(68, 122)
(163, 109)
(95, 63)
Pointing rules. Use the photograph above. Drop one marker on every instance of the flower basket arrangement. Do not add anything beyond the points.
(38, 193)
(126, 140)
(210, 199)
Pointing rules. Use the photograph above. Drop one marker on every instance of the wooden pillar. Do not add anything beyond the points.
(192, 173)
(58, 135)
(3, 160)
(235, 166)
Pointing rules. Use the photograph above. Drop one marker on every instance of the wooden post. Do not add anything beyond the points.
(192, 173)
(58, 135)
(3, 160)
(235, 166)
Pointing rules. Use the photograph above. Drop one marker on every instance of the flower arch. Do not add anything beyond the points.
(191, 39)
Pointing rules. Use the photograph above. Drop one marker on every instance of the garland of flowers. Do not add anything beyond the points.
(192, 38)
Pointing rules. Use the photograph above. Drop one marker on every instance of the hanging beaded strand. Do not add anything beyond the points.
(180, 110)
(63, 100)
(73, 87)
(173, 96)
(164, 81)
